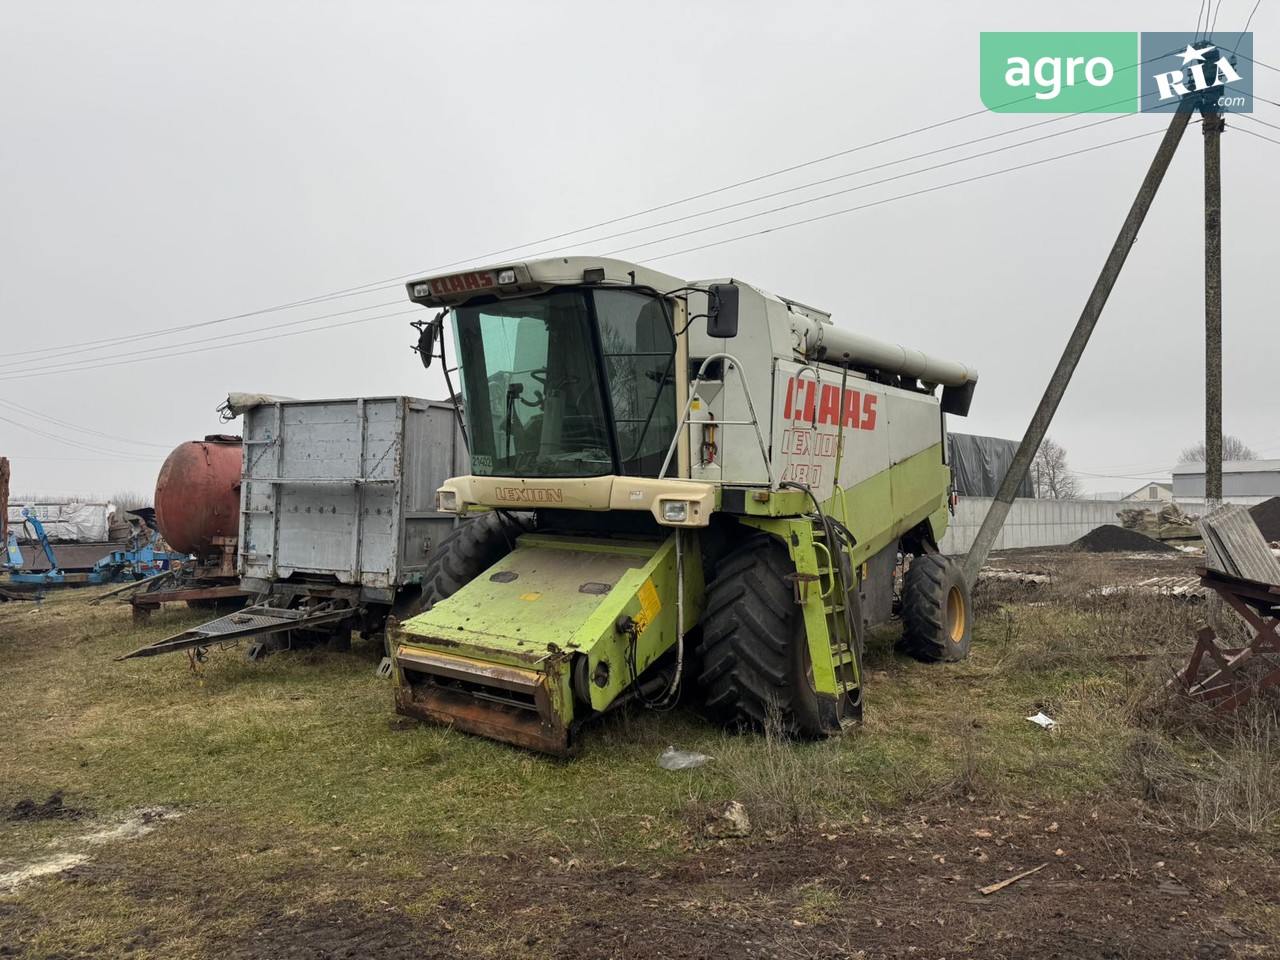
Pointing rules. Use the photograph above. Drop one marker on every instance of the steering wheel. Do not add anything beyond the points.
(567, 380)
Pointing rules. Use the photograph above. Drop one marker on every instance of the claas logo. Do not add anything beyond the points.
(811, 402)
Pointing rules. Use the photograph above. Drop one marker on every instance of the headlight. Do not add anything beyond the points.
(446, 501)
(421, 290)
(675, 511)
(506, 277)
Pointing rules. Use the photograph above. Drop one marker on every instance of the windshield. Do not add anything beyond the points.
(535, 370)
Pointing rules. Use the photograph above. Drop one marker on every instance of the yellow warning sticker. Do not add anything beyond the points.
(530, 596)
(650, 605)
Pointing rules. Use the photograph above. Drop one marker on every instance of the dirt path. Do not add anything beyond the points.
(1112, 887)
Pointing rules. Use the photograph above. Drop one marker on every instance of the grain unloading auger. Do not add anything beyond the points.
(674, 484)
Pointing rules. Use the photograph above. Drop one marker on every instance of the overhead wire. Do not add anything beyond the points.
(182, 353)
(874, 183)
(388, 283)
(1249, 116)
(292, 323)
(854, 173)
(876, 203)
(67, 441)
(1260, 136)
(40, 415)
(1213, 26)
(1257, 4)
(9, 371)
(165, 352)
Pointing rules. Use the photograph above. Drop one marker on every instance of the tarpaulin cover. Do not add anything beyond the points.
(65, 522)
(979, 464)
(238, 403)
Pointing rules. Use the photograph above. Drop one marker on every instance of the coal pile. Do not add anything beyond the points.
(1110, 538)
(1267, 516)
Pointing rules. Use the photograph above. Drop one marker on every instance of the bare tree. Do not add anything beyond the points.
(1050, 475)
(1233, 448)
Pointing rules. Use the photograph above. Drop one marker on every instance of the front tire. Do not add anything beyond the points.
(467, 552)
(936, 621)
(756, 668)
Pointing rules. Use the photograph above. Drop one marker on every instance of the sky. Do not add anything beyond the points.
(181, 165)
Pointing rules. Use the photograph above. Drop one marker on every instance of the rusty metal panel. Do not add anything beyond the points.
(344, 489)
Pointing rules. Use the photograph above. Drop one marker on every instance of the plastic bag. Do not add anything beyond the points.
(673, 759)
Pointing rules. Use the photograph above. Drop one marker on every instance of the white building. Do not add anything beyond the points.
(1157, 491)
(1243, 481)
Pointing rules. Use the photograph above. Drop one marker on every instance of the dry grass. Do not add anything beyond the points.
(299, 759)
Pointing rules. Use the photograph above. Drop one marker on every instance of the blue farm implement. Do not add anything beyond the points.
(143, 557)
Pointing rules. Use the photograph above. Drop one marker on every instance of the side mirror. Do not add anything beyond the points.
(428, 334)
(722, 311)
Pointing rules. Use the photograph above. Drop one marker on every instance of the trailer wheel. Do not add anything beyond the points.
(467, 552)
(755, 660)
(936, 613)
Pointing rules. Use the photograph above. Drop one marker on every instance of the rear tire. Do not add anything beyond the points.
(755, 659)
(936, 622)
(467, 552)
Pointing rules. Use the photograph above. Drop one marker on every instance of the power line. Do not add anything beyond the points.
(94, 345)
(96, 363)
(183, 353)
(28, 456)
(67, 423)
(854, 173)
(1249, 116)
(376, 285)
(1258, 135)
(863, 186)
(71, 364)
(1255, 60)
(1213, 26)
(914, 193)
(93, 362)
(388, 283)
(1247, 22)
(90, 448)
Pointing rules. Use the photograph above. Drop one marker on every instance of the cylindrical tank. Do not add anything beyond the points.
(198, 494)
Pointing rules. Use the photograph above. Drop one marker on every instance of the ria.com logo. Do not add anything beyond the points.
(1115, 73)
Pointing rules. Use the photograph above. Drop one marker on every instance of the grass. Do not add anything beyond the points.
(299, 759)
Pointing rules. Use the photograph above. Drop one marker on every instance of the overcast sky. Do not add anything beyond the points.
(167, 164)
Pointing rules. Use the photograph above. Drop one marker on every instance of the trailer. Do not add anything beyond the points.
(337, 518)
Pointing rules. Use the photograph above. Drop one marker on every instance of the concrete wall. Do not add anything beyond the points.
(1031, 523)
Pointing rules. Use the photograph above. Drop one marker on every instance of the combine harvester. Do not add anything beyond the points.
(715, 488)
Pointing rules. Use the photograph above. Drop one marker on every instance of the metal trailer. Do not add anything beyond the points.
(338, 517)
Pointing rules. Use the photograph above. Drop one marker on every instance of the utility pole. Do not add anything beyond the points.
(1053, 393)
(1214, 122)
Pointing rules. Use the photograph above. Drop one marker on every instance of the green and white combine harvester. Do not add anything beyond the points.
(675, 485)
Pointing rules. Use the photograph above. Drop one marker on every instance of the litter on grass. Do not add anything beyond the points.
(673, 759)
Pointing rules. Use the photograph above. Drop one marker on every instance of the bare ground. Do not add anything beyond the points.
(1114, 886)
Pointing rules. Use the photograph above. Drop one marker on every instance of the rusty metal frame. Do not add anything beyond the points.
(1225, 688)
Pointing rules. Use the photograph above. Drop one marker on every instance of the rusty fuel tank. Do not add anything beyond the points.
(198, 494)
